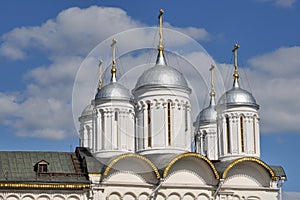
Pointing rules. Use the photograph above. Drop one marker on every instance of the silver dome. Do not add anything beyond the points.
(88, 110)
(162, 75)
(207, 115)
(237, 96)
(114, 90)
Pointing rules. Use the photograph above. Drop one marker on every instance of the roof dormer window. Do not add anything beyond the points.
(41, 166)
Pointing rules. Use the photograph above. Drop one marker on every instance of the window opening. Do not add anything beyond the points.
(242, 133)
(169, 124)
(228, 135)
(149, 125)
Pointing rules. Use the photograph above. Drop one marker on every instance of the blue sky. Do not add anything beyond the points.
(44, 42)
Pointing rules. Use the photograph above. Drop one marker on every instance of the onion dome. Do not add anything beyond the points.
(161, 75)
(113, 90)
(88, 110)
(237, 95)
(209, 114)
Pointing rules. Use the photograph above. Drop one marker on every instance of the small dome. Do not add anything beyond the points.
(207, 115)
(114, 90)
(161, 75)
(88, 110)
(237, 96)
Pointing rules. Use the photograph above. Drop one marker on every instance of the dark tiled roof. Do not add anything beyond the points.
(90, 163)
(221, 166)
(279, 171)
(161, 160)
(16, 167)
(73, 168)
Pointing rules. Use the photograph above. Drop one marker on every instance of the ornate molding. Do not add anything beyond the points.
(44, 186)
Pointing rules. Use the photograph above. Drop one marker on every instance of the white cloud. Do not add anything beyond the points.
(11, 52)
(282, 3)
(291, 195)
(44, 108)
(281, 63)
(285, 3)
(76, 31)
(196, 33)
(274, 78)
(8, 104)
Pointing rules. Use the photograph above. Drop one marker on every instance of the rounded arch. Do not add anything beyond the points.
(43, 197)
(242, 115)
(253, 198)
(150, 101)
(184, 155)
(12, 197)
(73, 197)
(87, 127)
(161, 196)
(129, 195)
(132, 155)
(188, 196)
(251, 159)
(129, 176)
(203, 196)
(58, 197)
(113, 196)
(174, 196)
(28, 197)
(143, 196)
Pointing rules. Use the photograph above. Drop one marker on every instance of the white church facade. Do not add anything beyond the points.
(143, 144)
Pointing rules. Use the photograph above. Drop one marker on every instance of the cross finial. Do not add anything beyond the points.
(236, 73)
(160, 58)
(160, 45)
(100, 75)
(212, 93)
(113, 68)
(113, 49)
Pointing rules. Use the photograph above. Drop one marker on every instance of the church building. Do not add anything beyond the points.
(143, 144)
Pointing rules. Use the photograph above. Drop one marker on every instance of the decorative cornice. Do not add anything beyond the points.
(94, 175)
(44, 186)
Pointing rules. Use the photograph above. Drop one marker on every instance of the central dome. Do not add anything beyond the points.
(162, 76)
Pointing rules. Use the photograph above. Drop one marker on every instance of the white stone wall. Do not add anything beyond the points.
(207, 140)
(158, 100)
(115, 127)
(86, 131)
(251, 134)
